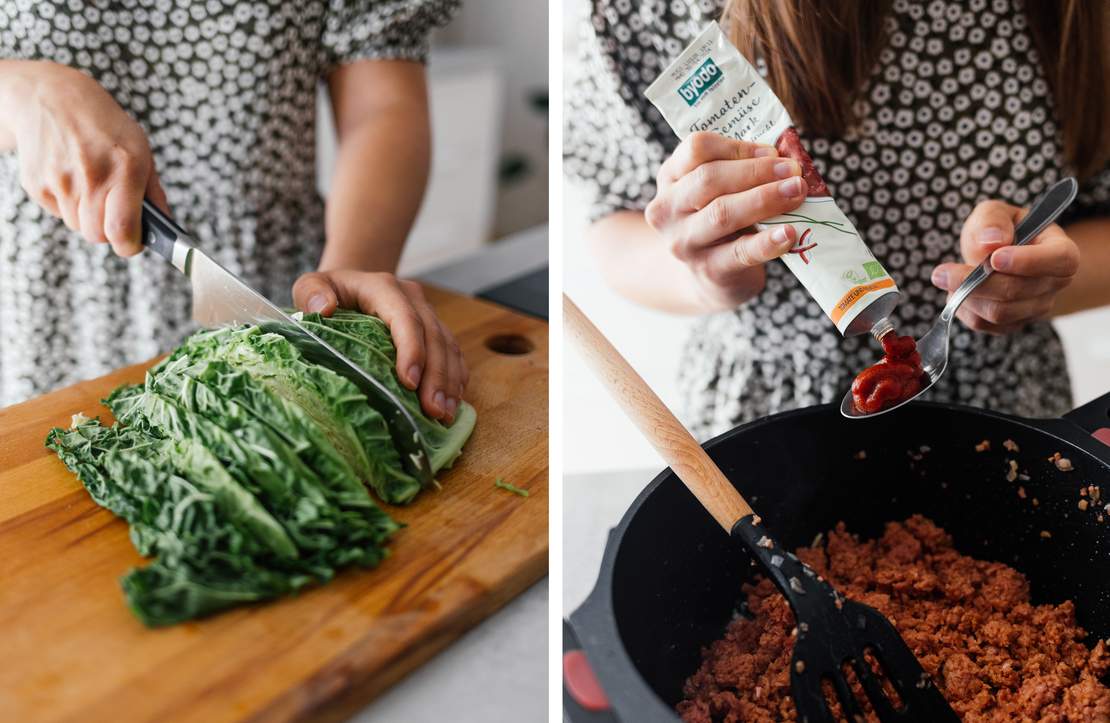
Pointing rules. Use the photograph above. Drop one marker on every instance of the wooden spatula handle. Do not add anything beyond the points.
(681, 451)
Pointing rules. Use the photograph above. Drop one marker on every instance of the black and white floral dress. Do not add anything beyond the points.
(957, 111)
(226, 92)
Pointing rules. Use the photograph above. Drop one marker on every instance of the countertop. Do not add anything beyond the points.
(592, 505)
(494, 264)
(498, 671)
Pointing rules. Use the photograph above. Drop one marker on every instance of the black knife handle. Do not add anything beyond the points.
(159, 231)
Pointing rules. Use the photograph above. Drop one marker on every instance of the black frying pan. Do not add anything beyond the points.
(670, 581)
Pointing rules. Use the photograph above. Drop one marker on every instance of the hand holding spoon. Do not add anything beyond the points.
(933, 347)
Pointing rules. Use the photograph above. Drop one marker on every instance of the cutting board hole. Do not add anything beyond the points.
(511, 344)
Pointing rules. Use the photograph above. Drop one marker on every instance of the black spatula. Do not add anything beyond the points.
(835, 635)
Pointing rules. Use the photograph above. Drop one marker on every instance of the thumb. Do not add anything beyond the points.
(315, 293)
(990, 226)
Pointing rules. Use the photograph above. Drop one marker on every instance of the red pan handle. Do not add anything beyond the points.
(1094, 417)
(581, 683)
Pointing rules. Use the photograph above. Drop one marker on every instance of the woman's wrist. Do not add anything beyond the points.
(357, 255)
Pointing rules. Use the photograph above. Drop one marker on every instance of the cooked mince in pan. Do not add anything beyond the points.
(994, 656)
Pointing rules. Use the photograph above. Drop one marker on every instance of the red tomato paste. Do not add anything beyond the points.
(895, 378)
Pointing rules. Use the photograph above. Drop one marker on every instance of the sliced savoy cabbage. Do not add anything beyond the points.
(243, 468)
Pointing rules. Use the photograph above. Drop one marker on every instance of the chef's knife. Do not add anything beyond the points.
(220, 297)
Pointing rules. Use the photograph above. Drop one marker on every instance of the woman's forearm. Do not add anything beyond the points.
(382, 164)
(380, 175)
(1091, 286)
(636, 263)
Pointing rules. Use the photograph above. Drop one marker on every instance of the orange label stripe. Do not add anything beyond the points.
(855, 294)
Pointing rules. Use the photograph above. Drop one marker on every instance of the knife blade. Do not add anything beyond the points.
(221, 298)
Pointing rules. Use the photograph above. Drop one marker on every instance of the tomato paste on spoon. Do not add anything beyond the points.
(895, 378)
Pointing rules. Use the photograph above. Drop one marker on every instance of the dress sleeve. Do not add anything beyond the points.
(381, 29)
(614, 138)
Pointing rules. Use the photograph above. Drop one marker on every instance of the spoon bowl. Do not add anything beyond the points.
(933, 346)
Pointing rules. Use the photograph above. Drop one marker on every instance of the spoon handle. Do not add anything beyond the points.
(1046, 209)
(681, 451)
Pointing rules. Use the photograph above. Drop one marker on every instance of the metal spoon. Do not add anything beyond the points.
(933, 347)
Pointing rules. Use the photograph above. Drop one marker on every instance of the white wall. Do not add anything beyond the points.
(518, 32)
(597, 436)
(1086, 339)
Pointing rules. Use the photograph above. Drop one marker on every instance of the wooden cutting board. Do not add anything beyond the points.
(71, 649)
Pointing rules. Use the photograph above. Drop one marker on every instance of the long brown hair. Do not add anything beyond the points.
(820, 53)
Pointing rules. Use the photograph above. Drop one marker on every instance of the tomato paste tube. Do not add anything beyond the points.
(712, 87)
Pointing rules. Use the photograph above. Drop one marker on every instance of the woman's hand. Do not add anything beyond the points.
(1026, 279)
(709, 194)
(81, 156)
(428, 357)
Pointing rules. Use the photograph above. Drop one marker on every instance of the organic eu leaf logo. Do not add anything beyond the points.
(874, 270)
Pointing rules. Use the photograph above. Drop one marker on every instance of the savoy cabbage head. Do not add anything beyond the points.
(244, 469)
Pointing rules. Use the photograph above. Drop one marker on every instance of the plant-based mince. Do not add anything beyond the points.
(993, 655)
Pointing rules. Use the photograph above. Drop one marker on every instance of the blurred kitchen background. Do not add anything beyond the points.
(488, 82)
(606, 462)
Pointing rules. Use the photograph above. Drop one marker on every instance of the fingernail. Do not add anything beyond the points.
(780, 236)
(765, 152)
(1001, 260)
(316, 302)
(786, 169)
(451, 406)
(940, 278)
(440, 401)
(990, 235)
(791, 188)
(414, 374)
